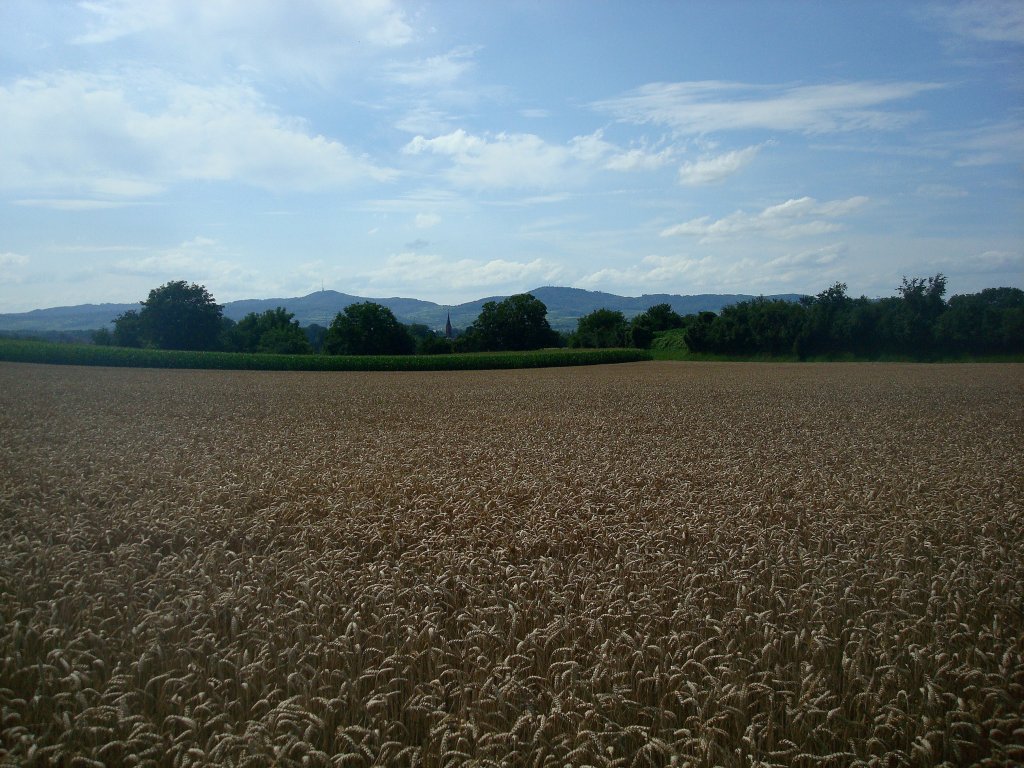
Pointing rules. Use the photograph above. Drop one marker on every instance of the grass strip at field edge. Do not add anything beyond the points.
(16, 350)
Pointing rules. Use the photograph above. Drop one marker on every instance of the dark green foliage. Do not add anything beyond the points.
(180, 316)
(434, 345)
(368, 328)
(915, 324)
(81, 354)
(128, 330)
(273, 331)
(315, 335)
(517, 323)
(697, 331)
(909, 324)
(103, 337)
(989, 322)
(657, 319)
(601, 328)
(428, 341)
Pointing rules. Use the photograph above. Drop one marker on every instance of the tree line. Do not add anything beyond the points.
(184, 316)
(918, 322)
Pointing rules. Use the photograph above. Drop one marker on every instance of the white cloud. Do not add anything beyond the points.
(502, 160)
(429, 273)
(684, 274)
(114, 19)
(527, 160)
(436, 71)
(985, 262)
(799, 217)
(312, 39)
(986, 20)
(114, 138)
(9, 259)
(652, 272)
(817, 257)
(640, 160)
(197, 254)
(723, 270)
(202, 260)
(427, 220)
(708, 170)
(591, 148)
(424, 119)
(708, 106)
(993, 144)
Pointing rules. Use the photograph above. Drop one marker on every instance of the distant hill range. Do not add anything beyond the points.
(565, 307)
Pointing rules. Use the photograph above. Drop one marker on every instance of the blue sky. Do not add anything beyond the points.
(453, 150)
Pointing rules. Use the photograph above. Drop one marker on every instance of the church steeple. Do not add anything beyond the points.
(448, 327)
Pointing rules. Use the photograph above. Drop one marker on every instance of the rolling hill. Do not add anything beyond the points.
(565, 307)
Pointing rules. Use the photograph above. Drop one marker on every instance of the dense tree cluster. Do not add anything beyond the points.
(601, 328)
(918, 322)
(607, 328)
(517, 323)
(273, 331)
(368, 328)
(176, 315)
(915, 323)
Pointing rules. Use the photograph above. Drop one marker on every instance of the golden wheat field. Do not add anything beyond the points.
(654, 564)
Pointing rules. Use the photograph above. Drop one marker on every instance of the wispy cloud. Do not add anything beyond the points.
(640, 159)
(501, 160)
(202, 259)
(710, 169)
(10, 259)
(311, 40)
(655, 272)
(800, 217)
(437, 275)
(712, 106)
(1000, 21)
(520, 160)
(426, 220)
(984, 262)
(1001, 142)
(436, 71)
(722, 270)
(816, 257)
(122, 138)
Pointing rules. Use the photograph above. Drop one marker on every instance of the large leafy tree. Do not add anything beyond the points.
(601, 328)
(516, 323)
(178, 315)
(272, 331)
(368, 328)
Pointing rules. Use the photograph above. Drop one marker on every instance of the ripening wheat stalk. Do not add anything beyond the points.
(656, 564)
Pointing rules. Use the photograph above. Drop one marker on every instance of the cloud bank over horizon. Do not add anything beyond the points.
(449, 151)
